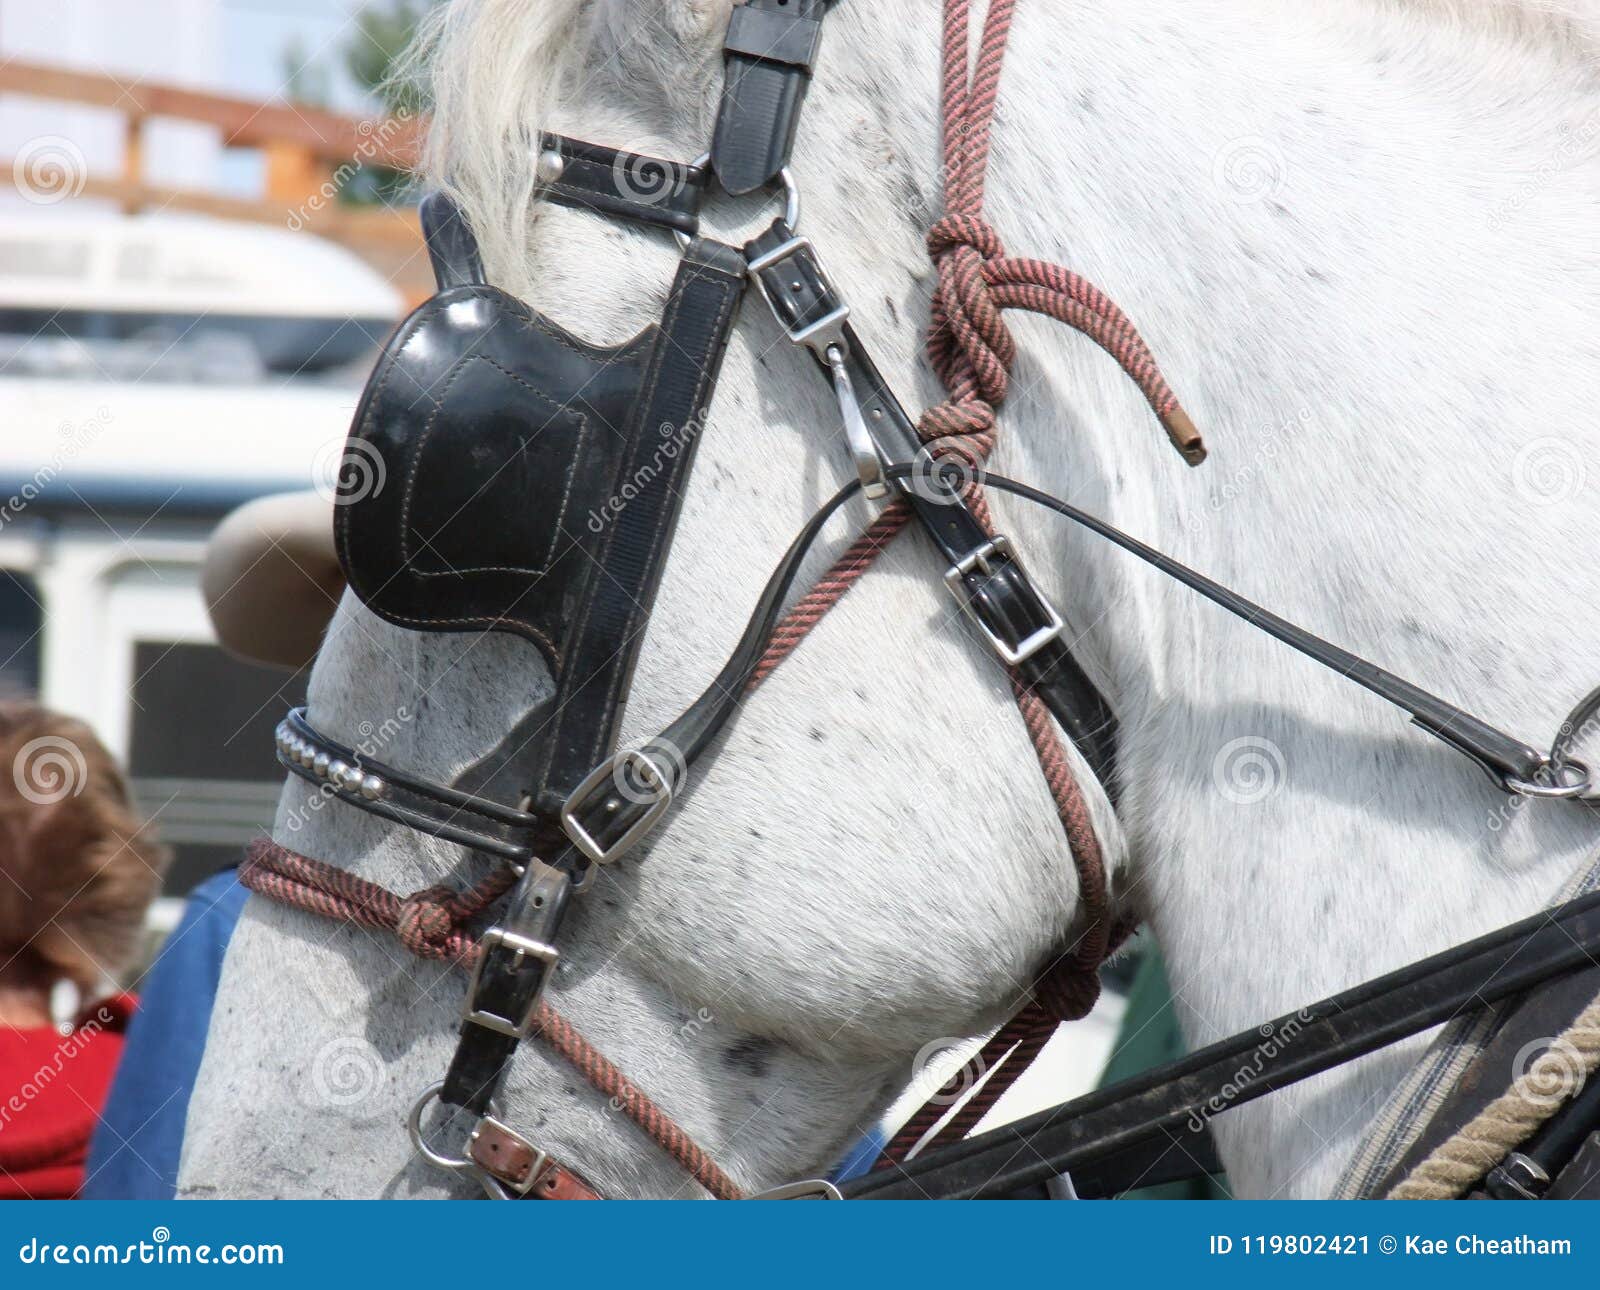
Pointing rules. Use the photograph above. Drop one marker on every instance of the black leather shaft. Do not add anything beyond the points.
(452, 249)
(625, 185)
(1119, 1125)
(770, 49)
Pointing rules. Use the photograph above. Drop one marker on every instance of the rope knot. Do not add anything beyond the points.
(954, 231)
(427, 922)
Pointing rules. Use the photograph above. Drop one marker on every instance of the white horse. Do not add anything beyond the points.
(1361, 239)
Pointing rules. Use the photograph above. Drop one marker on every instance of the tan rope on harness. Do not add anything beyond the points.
(1512, 1118)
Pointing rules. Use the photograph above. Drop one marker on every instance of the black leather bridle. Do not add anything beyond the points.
(480, 398)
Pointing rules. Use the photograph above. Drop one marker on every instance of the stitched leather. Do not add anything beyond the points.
(485, 437)
(763, 92)
(672, 407)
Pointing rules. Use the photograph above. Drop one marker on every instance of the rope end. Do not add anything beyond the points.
(1185, 437)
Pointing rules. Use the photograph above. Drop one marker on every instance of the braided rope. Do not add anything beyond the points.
(428, 924)
(1512, 1118)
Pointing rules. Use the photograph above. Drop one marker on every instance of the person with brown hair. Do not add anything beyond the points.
(78, 870)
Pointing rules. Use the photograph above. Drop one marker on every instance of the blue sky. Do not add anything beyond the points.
(256, 34)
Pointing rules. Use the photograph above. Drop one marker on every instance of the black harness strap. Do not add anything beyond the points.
(770, 49)
(1106, 1139)
(623, 185)
(517, 956)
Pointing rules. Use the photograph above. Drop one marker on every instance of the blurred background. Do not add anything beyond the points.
(205, 236)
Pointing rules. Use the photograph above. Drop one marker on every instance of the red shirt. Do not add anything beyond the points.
(51, 1089)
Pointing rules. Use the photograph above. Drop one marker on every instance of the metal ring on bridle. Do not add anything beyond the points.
(464, 1164)
(1569, 779)
(791, 202)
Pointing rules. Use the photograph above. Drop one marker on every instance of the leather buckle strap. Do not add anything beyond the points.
(617, 803)
(519, 1167)
(516, 960)
(627, 185)
(1017, 621)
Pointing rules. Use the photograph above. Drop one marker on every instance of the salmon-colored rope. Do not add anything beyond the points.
(294, 879)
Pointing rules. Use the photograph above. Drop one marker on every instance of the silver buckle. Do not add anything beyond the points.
(828, 330)
(980, 559)
(497, 938)
(541, 1158)
(811, 1189)
(650, 774)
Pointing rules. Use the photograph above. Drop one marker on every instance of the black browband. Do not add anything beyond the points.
(575, 802)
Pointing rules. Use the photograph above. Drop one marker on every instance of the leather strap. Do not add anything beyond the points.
(381, 789)
(606, 638)
(998, 592)
(522, 1168)
(770, 49)
(516, 960)
(625, 185)
(452, 249)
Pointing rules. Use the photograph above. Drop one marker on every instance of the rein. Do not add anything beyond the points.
(581, 803)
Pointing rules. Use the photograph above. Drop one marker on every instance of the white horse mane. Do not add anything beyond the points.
(1358, 236)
